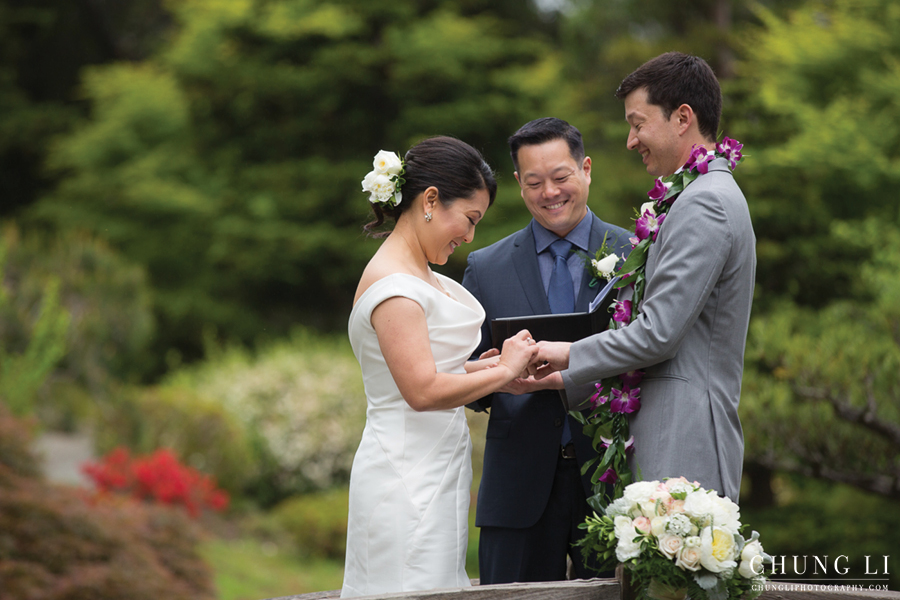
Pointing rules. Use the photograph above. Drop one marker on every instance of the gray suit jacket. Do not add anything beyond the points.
(689, 339)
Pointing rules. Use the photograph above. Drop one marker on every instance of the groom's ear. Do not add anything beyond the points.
(684, 116)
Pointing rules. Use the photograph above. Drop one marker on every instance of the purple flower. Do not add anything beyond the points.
(634, 241)
(699, 160)
(631, 378)
(596, 398)
(731, 150)
(622, 313)
(648, 224)
(609, 477)
(658, 193)
(625, 400)
(606, 443)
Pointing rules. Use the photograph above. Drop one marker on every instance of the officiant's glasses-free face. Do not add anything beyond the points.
(554, 185)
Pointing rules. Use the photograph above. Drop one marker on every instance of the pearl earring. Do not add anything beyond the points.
(428, 217)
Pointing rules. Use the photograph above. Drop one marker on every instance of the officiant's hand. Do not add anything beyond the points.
(550, 358)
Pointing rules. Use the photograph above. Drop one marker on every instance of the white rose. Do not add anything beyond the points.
(717, 549)
(670, 545)
(726, 514)
(648, 206)
(368, 180)
(658, 526)
(689, 558)
(698, 504)
(649, 509)
(380, 186)
(640, 491)
(626, 550)
(746, 569)
(751, 549)
(709, 509)
(625, 533)
(606, 264)
(387, 163)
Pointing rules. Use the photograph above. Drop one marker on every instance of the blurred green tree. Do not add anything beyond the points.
(24, 366)
(71, 301)
(229, 164)
(602, 42)
(821, 118)
(43, 46)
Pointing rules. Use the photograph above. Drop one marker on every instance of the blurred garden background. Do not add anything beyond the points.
(180, 241)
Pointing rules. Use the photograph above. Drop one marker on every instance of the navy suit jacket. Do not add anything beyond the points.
(524, 432)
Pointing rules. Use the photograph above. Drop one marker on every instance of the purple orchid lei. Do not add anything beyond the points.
(617, 397)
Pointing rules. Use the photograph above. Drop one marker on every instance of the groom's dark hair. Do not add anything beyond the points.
(545, 130)
(673, 79)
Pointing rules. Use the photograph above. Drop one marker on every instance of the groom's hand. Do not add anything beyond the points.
(550, 358)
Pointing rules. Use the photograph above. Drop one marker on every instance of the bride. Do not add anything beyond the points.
(412, 331)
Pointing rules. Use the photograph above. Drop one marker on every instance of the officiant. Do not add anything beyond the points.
(532, 496)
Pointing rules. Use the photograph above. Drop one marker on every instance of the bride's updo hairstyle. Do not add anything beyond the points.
(455, 168)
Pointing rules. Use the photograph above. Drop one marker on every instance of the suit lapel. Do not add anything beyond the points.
(525, 261)
(587, 293)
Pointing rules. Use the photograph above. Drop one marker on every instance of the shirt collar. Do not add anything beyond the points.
(580, 236)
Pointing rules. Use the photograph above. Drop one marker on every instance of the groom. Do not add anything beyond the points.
(689, 337)
(532, 496)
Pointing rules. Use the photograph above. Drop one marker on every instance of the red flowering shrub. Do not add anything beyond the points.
(158, 477)
(54, 546)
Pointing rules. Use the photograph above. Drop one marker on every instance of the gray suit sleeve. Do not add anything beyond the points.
(691, 250)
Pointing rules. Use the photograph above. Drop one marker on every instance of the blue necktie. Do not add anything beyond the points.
(562, 299)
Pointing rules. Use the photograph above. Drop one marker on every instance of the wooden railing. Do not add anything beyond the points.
(602, 589)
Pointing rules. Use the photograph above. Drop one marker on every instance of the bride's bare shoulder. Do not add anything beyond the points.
(377, 269)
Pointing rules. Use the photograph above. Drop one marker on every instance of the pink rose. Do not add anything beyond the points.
(642, 524)
(670, 545)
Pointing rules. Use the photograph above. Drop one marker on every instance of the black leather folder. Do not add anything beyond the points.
(568, 327)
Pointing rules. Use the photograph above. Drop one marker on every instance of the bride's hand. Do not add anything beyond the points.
(487, 360)
(518, 351)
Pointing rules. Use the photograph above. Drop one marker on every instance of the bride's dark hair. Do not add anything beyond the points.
(455, 168)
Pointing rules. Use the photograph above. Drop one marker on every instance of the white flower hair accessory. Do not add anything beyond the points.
(384, 181)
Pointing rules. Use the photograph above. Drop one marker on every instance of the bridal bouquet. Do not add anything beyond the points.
(677, 539)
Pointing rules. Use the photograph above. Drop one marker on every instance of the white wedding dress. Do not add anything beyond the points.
(409, 486)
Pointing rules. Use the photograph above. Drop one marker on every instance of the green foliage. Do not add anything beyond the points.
(316, 523)
(818, 518)
(106, 297)
(835, 371)
(821, 118)
(248, 569)
(819, 113)
(196, 428)
(74, 318)
(24, 366)
(300, 403)
(245, 138)
(58, 546)
(15, 437)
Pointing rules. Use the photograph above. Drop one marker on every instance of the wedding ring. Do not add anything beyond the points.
(530, 341)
